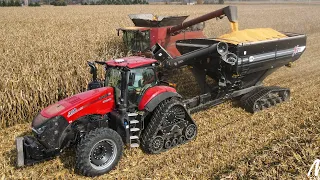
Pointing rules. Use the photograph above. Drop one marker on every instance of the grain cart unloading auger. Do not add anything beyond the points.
(132, 106)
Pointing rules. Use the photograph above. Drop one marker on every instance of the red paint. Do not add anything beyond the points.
(96, 101)
(132, 62)
(160, 36)
(152, 93)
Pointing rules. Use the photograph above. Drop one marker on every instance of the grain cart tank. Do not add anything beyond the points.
(238, 63)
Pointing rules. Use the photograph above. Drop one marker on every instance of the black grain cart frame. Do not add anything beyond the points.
(237, 69)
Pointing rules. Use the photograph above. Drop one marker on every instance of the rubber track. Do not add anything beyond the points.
(153, 126)
(249, 100)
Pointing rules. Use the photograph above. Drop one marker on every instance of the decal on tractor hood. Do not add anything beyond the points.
(106, 100)
(73, 111)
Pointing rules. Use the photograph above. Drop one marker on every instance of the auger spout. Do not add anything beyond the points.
(229, 11)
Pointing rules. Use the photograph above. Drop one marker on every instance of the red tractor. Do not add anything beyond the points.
(135, 107)
(132, 108)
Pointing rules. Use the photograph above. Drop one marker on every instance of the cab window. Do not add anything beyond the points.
(144, 79)
(113, 79)
(137, 40)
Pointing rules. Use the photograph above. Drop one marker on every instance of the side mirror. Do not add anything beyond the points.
(131, 79)
(118, 30)
(93, 70)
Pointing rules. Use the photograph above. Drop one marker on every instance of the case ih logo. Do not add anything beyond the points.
(74, 110)
(298, 49)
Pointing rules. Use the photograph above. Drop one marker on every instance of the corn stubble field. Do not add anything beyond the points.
(43, 54)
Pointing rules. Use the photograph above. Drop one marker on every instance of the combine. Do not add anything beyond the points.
(135, 107)
(166, 30)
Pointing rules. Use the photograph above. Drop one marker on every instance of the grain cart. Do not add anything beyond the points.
(133, 106)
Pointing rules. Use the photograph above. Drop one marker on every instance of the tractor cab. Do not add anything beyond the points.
(130, 77)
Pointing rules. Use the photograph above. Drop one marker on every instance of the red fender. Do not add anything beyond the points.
(156, 92)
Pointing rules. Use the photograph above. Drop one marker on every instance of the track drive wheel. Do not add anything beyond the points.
(168, 108)
(285, 95)
(190, 132)
(98, 152)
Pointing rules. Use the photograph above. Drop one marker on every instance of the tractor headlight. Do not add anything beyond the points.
(49, 132)
(40, 129)
(38, 121)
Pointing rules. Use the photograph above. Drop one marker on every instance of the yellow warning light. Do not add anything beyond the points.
(173, 85)
(155, 18)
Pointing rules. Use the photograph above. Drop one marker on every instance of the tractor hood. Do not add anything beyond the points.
(96, 101)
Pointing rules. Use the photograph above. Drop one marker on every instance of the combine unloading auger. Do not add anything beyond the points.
(229, 11)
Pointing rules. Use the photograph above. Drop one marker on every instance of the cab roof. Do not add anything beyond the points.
(131, 62)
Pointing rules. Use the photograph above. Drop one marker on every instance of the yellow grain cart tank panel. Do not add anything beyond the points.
(252, 35)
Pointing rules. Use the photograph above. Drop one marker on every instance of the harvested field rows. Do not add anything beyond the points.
(43, 54)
